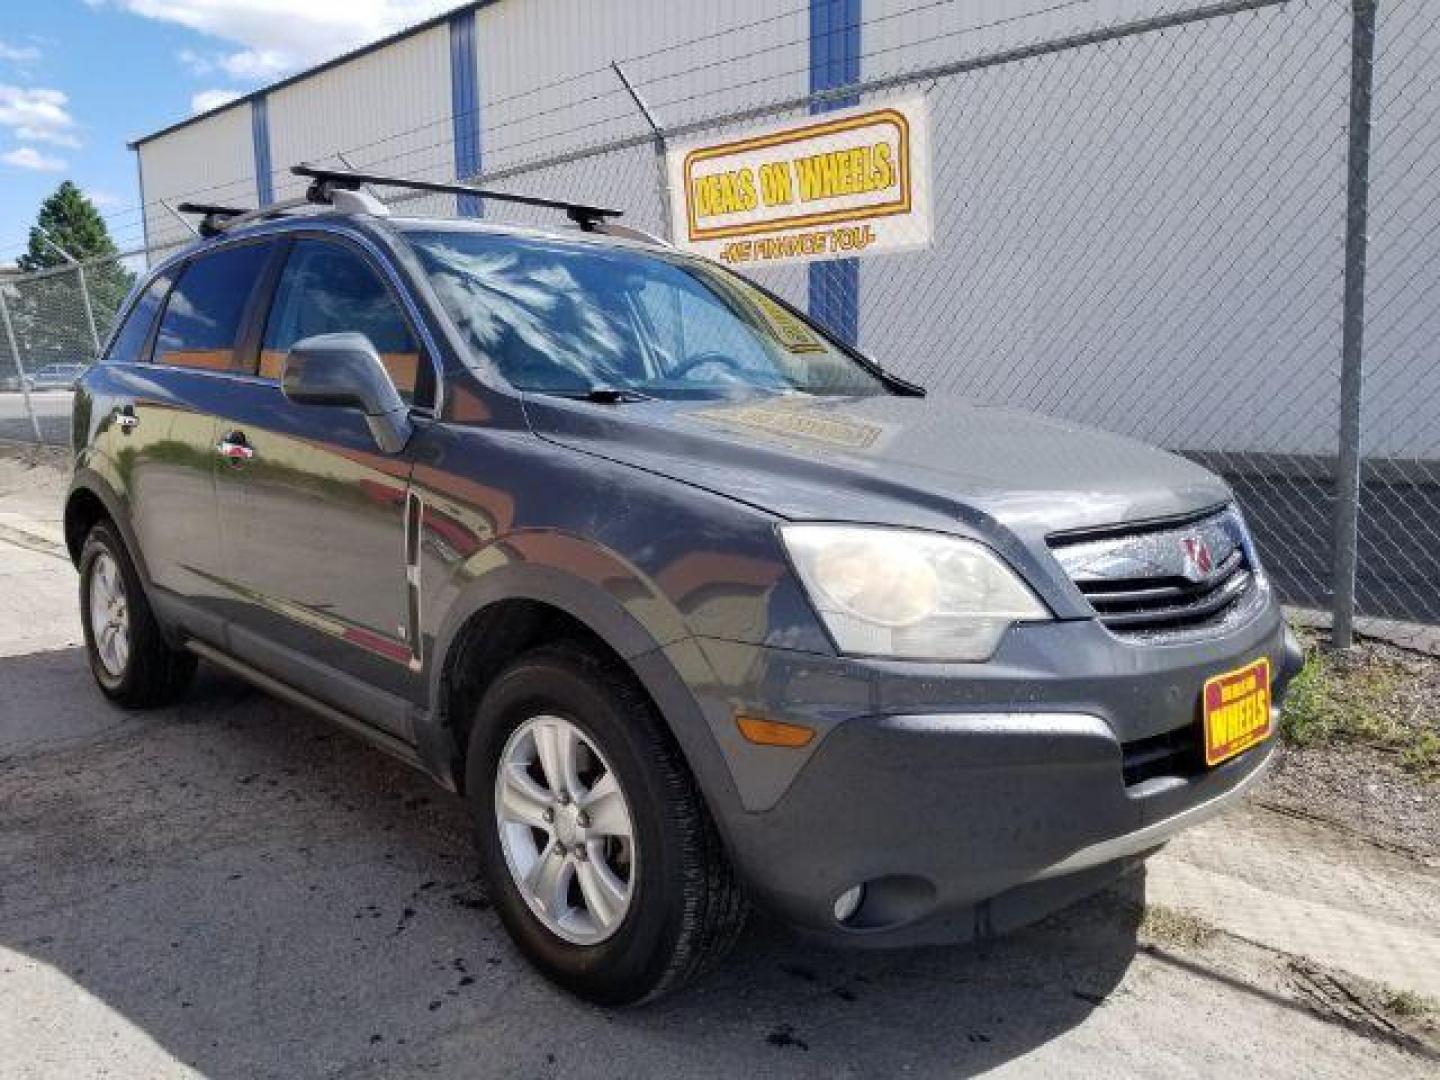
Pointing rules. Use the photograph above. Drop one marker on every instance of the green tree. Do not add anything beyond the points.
(48, 306)
(73, 223)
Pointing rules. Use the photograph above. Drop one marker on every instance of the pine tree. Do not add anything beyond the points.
(48, 309)
(73, 223)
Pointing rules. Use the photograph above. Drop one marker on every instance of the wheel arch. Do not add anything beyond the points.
(511, 611)
(91, 499)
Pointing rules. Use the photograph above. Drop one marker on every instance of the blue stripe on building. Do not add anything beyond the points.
(260, 136)
(465, 106)
(835, 62)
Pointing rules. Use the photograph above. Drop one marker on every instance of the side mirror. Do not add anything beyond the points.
(344, 371)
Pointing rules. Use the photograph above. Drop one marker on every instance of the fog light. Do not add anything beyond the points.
(848, 902)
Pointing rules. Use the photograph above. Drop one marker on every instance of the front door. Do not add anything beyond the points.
(313, 515)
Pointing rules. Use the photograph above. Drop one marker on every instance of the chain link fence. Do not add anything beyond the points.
(1150, 222)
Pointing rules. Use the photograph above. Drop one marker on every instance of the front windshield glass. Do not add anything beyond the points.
(567, 318)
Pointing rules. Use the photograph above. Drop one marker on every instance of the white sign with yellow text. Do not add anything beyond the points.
(843, 184)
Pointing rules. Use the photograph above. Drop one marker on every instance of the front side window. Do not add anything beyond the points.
(326, 288)
(135, 332)
(563, 317)
(202, 321)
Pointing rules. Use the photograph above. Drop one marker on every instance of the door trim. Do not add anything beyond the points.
(394, 649)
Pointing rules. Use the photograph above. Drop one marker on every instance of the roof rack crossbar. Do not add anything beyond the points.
(210, 209)
(586, 216)
(260, 213)
(215, 218)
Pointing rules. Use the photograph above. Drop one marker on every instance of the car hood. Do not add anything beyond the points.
(897, 460)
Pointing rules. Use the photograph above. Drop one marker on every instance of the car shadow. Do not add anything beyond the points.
(255, 894)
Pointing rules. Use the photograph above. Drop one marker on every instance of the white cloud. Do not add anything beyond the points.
(18, 54)
(211, 99)
(281, 36)
(248, 65)
(103, 200)
(37, 115)
(256, 65)
(194, 62)
(27, 157)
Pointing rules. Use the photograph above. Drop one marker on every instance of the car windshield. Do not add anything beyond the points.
(567, 318)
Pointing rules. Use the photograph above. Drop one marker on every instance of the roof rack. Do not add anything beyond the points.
(588, 218)
(341, 188)
(216, 217)
(219, 218)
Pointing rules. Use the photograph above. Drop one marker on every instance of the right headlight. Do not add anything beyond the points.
(907, 594)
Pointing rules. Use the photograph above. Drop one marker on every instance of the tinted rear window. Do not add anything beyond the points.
(129, 342)
(201, 325)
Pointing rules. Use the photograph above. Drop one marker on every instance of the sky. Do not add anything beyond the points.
(80, 78)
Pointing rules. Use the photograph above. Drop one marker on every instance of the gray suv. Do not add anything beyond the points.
(695, 605)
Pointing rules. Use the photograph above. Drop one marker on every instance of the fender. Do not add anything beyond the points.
(88, 477)
(600, 609)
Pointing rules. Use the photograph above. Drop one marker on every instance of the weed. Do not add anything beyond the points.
(1363, 697)
(1406, 1003)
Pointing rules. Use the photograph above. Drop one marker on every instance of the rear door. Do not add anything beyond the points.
(313, 514)
(169, 383)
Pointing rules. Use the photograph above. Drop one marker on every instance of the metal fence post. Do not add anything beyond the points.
(89, 311)
(19, 367)
(84, 290)
(1352, 374)
(661, 164)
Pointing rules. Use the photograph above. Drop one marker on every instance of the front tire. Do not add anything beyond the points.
(602, 859)
(131, 661)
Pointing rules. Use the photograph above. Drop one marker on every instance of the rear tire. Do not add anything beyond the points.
(132, 663)
(682, 905)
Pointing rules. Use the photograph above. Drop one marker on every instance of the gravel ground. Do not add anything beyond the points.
(1361, 790)
(1364, 750)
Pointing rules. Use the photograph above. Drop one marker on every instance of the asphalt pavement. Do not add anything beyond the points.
(52, 416)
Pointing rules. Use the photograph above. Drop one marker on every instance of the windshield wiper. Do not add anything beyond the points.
(607, 395)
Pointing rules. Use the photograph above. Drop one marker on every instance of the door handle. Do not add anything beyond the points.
(126, 420)
(234, 448)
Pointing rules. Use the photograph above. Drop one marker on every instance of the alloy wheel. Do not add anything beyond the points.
(566, 830)
(109, 615)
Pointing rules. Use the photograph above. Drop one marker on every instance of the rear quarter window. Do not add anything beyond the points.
(128, 345)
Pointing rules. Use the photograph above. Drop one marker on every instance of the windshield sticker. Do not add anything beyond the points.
(788, 330)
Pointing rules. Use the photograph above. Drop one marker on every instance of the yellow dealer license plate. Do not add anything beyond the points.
(1237, 711)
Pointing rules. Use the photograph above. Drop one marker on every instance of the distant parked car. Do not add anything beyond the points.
(55, 377)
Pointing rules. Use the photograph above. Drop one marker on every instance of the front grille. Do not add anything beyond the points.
(1163, 578)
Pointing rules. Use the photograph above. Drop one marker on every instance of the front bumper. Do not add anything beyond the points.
(972, 820)
(942, 817)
